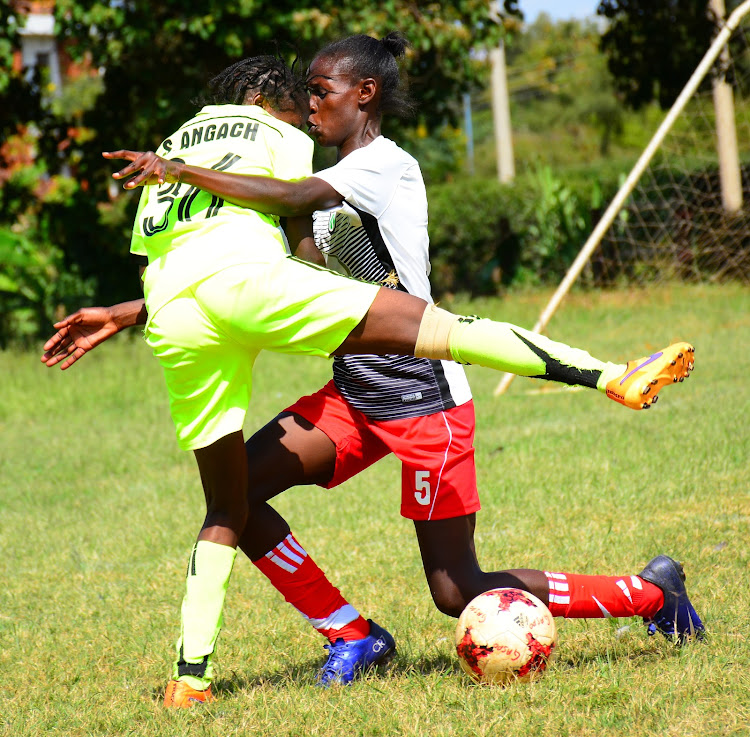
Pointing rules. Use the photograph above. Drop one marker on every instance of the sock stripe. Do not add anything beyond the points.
(335, 620)
(281, 563)
(289, 539)
(559, 589)
(288, 554)
(625, 590)
(557, 586)
(191, 565)
(602, 608)
(557, 599)
(284, 558)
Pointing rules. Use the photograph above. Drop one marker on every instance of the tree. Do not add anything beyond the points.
(557, 73)
(156, 57)
(653, 46)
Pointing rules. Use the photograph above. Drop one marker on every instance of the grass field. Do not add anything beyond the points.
(99, 509)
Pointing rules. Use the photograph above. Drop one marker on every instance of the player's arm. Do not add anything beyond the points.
(85, 329)
(265, 194)
(299, 234)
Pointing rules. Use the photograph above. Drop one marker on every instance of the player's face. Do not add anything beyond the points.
(334, 103)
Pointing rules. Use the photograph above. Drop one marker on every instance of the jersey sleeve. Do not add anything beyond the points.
(366, 182)
(138, 240)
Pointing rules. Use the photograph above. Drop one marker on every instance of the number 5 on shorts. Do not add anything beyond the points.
(422, 486)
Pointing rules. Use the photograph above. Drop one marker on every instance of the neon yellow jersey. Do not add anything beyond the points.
(188, 234)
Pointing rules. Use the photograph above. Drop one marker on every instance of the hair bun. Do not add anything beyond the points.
(395, 43)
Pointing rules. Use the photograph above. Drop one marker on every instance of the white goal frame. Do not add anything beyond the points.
(636, 172)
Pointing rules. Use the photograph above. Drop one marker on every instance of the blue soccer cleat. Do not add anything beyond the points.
(677, 618)
(347, 660)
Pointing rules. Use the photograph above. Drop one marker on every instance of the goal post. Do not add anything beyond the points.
(718, 46)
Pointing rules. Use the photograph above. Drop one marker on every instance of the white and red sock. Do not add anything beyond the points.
(303, 584)
(577, 596)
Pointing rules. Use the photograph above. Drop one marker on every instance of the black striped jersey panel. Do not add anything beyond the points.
(381, 387)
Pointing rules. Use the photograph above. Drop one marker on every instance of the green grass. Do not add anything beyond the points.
(99, 509)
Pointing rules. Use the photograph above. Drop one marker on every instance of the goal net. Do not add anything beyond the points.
(683, 213)
(687, 218)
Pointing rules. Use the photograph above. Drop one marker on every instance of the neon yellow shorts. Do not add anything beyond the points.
(208, 336)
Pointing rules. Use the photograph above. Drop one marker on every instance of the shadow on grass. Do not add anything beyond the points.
(304, 674)
(612, 653)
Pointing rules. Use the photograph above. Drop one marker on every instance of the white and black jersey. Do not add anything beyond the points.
(379, 234)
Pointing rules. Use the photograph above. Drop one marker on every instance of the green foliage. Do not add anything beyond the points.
(76, 97)
(485, 235)
(36, 289)
(9, 23)
(558, 223)
(475, 239)
(653, 46)
(558, 78)
(440, 153)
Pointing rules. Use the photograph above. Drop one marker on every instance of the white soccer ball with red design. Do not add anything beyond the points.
(505, 635)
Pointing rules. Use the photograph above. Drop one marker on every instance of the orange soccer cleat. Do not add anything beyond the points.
(180, 695)
(637, 387)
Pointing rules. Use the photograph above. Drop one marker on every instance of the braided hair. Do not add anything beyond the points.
(270, 76)
(363, 56)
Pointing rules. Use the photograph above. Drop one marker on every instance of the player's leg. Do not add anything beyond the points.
(314, 311)
(398, 323)
(208, 379)
(452, 570)
(439, 493)
(292, 451)
(224, 475)
(275, 306)
(289, 451)
(223, 470)
(453, 574)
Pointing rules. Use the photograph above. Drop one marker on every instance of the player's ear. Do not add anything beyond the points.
(256, 98)
(368, 88)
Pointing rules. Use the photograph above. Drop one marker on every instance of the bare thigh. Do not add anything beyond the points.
(391, 325)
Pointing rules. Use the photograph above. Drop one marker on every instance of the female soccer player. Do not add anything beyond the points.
(418, 408)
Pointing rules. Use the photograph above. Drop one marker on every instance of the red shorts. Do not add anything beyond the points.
(438, 477)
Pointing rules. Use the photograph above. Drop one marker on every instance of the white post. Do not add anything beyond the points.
(506, 169)
(726, 133)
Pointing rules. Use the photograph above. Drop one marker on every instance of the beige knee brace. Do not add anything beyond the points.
(434, 334)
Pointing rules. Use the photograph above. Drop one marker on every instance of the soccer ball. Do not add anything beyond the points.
(505, 635)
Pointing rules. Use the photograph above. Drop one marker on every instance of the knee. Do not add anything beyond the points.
(232, 513)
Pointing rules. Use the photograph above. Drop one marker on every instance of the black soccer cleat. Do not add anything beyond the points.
(677, 618)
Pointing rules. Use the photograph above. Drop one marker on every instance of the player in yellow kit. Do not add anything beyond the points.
(219, 288)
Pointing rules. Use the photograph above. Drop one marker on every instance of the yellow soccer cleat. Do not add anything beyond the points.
(638, 386)
(180, 695)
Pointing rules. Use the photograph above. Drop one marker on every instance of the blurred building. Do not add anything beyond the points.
(39, 48)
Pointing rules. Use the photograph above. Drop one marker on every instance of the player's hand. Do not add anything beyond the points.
(77, 334)
(147, 167)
